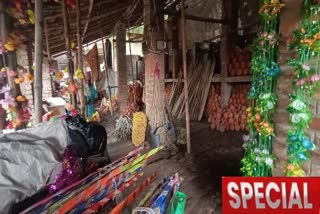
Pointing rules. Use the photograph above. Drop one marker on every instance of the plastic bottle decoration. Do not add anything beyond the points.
(79, 74)
(59, 75)
(258, 159)
(28, 78)
(73, 87)
(306, 83)
(21, 98)
(22, 11)
(19, 80)
(9, 46)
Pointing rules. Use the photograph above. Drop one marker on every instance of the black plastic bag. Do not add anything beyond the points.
(87, 138)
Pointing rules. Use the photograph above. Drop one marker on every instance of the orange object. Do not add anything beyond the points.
(29, 77)
(19, 80)
(127, 201)
(73, 87)
(21, 98)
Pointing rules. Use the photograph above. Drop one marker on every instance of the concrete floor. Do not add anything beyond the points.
(213, 155)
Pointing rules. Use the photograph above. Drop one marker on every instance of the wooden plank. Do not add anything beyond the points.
(215, 79)
(38, 62)
(197, 18)
(238, 79)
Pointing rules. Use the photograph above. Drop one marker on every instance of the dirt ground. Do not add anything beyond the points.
(213, 155)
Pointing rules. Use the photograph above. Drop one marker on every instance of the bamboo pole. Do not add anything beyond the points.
(38, 62)
(185, 73)
(80, 61)
(68, 49)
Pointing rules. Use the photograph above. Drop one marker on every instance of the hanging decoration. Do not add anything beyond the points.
(19, 80)
(22, 11)
(306, 83)
(79, 74)
(59, 75)
(258, 159)
(70, 173)
(28, 78)
(9, 104)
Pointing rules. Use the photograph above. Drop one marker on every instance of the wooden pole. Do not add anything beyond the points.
(80, 60)
(68, 49)
(48, 50)
(38, 62)
(3, 28)
(30, 64)
(185, 73)
(106, 70)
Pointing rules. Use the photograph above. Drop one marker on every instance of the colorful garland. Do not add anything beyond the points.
(15, 118)
(22, 11)
(258, 159)
(306, 83)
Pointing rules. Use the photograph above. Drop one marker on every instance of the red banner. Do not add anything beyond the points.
(276, 195)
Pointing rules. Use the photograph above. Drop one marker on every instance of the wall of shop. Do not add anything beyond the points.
(290, 17)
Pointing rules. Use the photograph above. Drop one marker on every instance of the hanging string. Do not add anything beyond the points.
(258, 159)
(306, 84)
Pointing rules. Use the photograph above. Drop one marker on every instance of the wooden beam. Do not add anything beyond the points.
(47, 39)
(88, 19)
(185, 74)
(197, 18)
(38, 62)
(80, 61)
(3, 28)
(68, 49)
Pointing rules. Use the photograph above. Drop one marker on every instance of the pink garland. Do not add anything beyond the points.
(70, 173)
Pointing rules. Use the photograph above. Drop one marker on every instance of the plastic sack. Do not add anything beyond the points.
(87, 138)
(178, 204)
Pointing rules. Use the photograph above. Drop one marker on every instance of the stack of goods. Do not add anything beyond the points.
(135, 103)
(106, 105)
(214, 99)
(168, 89)
(163, 198)
(239, 63)
(200, 77)
(92, 194)
(232, 117)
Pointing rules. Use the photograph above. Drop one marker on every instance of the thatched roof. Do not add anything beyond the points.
(98, 18)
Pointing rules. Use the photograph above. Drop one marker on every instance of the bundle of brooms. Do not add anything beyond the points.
(199, 79)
